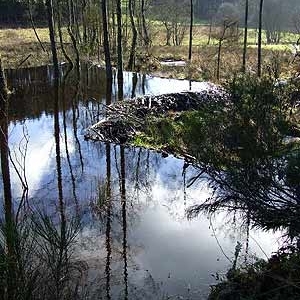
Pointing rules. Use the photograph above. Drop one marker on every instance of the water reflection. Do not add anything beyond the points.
(134, 235)
(108, 220)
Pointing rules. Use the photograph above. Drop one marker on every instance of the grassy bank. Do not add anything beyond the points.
(18, 45)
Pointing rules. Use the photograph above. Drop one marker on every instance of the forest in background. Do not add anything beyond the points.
(224, 35)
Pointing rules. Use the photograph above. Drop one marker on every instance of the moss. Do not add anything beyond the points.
(160, 133)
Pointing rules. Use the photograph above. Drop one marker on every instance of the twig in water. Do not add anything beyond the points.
(215, 236)
(24, 60)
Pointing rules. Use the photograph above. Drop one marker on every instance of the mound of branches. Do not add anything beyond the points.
(122, 120)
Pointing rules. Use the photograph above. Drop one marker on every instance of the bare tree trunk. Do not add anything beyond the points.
(219, 59)
(131, 62)
(113, 37)
(259, 38)
(106, 42)
(245, 35)
(8, 206)
(145, 31)
(61, 36)
(33, 27)
(71, 34)
(191, 30)
(120, 52)
(52, 39)
(220, 49)
(210, 29)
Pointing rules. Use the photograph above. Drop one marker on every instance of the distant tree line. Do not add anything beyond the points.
(278, 15)
(16, 12)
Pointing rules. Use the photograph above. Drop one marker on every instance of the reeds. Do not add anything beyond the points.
(44, 264)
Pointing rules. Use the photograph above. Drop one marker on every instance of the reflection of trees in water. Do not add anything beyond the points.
(108, 220)
(120, 208)
(33, 89)
(66, 136)
(250, 167)
(124, 218)
(40, 245)
(260, 190)
(117, 217)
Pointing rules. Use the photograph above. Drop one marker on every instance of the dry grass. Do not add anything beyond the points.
(17, 44)
(204, 61)
(278, 60)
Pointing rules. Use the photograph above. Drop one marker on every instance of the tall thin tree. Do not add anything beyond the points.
(106, 46)
(145, 32)
(119, 51)
(261, 4)
(51, 27)
(131, 61)
(245, 35)
(191, 29)
(8, 206)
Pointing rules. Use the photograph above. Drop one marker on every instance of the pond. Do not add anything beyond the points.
(134, 238)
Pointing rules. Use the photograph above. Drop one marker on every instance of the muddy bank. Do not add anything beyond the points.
(121, 121)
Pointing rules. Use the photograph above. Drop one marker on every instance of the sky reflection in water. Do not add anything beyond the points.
(163, 253)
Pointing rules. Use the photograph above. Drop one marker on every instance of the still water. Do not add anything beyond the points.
(134, 239)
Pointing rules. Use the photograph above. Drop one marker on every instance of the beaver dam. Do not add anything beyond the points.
(123, 120)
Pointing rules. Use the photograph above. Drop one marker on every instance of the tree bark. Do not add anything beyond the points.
(52, 39)
(120, 52)
(106, 42)
(191, 30)
(145, 31)
(8, 206)
(259, 38)
(245, 35)
(131, 62)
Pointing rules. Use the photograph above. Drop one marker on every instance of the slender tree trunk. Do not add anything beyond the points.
(191, 30)
(106, 42)
(145, 31)
(259, 38)
(52, 39)
(120, 52)
(131, 62)
(84, 22)
(72, 36)
(210, 29)
(245, 35)
(125, 30)
(113, 28)
(33, 27)
(220, 50)
(8, 206)
(219, 59)
(61, 36)
(4, 147)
